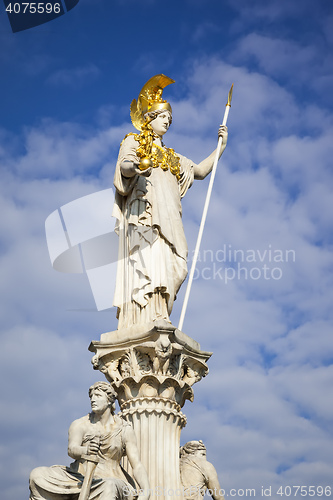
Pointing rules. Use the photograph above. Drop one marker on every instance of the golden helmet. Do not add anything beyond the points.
(150, 99)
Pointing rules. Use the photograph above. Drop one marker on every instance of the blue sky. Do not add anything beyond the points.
(265, 410)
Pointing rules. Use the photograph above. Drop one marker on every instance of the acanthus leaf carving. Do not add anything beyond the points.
(144, 362)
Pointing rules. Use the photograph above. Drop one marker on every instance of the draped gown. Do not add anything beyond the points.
(152, 245)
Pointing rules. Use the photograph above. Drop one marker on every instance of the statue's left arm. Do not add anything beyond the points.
(139, 472)
(205, 166)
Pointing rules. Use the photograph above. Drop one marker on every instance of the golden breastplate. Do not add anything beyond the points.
(165, 158)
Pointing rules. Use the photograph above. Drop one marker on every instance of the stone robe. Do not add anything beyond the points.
(152, 244)
(193, 477)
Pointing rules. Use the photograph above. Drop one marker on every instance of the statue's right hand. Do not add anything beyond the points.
(129, 169)
(144, 173)
(93, 447)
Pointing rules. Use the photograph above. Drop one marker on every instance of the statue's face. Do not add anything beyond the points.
(161, 123)
(99, 401)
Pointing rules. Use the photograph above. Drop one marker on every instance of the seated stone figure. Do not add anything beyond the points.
(197, 474)
(104, 438)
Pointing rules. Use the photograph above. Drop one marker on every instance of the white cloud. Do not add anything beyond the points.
(61, 150)
(277, 57)
(290, 62)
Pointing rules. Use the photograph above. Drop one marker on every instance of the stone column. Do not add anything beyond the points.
(152, 369)
(157, 423)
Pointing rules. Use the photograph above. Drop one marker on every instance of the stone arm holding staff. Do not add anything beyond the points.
(103, 437)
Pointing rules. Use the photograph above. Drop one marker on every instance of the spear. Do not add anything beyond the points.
(204, 214)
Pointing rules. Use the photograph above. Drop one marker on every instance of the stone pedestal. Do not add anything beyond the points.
(152, 368)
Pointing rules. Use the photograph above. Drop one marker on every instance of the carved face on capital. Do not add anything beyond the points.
(99, 401)
(161, 123)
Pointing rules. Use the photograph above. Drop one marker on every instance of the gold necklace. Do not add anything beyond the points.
(160, 157)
